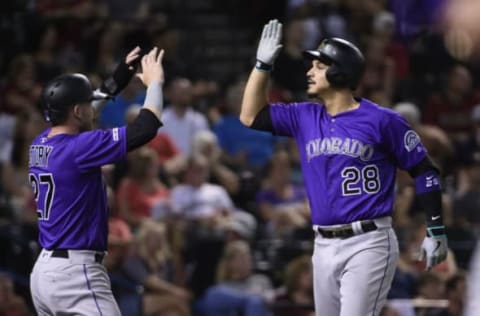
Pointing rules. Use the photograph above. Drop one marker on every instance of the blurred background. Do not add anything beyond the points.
(211, 218)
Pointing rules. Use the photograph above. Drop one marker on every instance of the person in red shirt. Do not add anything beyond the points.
(141, 191)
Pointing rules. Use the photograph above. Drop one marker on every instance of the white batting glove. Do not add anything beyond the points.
(434, 246)
(269, 45)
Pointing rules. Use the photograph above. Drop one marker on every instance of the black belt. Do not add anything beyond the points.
(63, 253)
(346, 231)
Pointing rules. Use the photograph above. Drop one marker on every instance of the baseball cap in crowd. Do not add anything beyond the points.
(409, 111)
(243, 224)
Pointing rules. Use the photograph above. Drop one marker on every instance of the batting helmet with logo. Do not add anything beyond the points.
(346, 62)
(65, 91)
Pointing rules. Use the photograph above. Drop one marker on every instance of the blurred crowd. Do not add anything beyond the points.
(211, 218)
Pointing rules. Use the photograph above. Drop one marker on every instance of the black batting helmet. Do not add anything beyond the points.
(346, 62)
(65, 91)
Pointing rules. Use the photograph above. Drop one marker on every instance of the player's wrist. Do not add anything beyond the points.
(262, 66)
(436, 231)
(119, 79)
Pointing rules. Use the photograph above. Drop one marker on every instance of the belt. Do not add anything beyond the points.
(63, 253)
(346, 231)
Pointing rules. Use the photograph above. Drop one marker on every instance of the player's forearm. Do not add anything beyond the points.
(254, 96)
(154, 99)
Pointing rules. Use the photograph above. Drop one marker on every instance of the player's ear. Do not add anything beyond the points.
(76, 111)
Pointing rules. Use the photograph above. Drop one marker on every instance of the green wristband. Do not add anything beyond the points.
(260, 65)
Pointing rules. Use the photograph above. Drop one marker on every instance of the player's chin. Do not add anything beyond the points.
(314, 90)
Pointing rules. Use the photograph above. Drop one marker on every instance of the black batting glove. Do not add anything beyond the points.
(122, 74)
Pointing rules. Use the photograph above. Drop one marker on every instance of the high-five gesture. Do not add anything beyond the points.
(269, 45)
(153, 77)
(122, 74)
(152, 69)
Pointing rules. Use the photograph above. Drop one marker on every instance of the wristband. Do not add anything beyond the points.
(260, 65)
(436, 231)
(154, 96)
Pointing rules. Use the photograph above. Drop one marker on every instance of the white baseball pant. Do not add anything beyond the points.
(352, 276)
(77, 285)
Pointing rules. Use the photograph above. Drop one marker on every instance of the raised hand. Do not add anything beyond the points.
(269, 45)
(152, 69)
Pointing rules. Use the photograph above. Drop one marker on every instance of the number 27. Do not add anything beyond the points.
(44, 179)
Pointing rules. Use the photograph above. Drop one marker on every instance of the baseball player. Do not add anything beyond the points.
(350, 149)
(68, 277)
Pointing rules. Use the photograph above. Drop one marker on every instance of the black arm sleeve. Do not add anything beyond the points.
(430, 202)
(423, 167)
(142, 130)
(263, 120)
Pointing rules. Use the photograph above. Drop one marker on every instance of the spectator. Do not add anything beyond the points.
(181, 121)
(141, 190)
(151, 266)
(108, 47)
(243, 148)
(296, 298)
(436, 141)
(11, 304)
(169, 157)
(46, 53)
(455, 289)
(115, 111)
(430, 286)
(21, 92)
(206, 143)
(238, 289)
(378, 80)
(451, 108)
(126, 292)
(466, 202)
(282, 205)
(384, 28)
(197, 200)
(28, 125)
(468, 150)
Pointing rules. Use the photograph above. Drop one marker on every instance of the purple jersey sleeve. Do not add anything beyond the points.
(402, 142)
(100, 147)
(284, 118)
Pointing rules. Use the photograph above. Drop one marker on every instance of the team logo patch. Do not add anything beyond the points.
(411, 140)
(115, 134)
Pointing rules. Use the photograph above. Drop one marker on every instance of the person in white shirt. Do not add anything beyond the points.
(196, 199)
(181, 121)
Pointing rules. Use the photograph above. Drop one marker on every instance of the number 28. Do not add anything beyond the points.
(368, 176)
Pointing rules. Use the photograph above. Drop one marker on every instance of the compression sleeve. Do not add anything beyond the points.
(142, 129)
(263, 120)
(428, 191)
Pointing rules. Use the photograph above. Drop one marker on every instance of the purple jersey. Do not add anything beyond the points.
(67, 182)
(349, 160)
